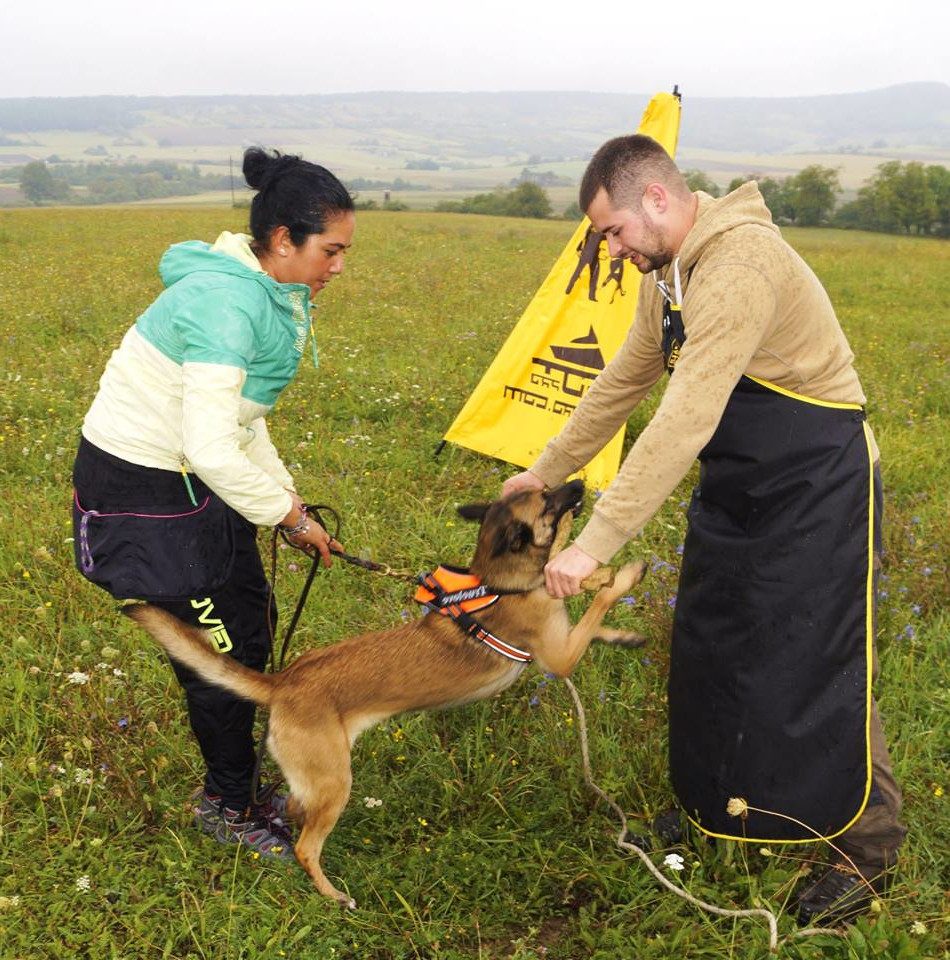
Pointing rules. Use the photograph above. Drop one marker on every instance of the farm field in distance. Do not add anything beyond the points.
(487, 843)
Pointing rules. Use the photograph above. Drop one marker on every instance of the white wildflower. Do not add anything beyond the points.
(370, 802)
(83, 777)
(77, 676)
(674, 861)
(83, 884)
(8, 903)
(116, 672)
(737, 807)
(918, 928)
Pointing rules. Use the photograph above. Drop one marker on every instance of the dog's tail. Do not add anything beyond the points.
(193, 648)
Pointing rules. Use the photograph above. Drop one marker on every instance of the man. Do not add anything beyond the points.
(772, 655)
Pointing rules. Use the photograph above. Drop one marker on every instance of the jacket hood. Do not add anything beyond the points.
(717, 216)
(231, 254)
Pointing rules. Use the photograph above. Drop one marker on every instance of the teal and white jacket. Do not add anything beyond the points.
(192, 380)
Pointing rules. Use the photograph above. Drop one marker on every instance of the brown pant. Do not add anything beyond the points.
(872, 843)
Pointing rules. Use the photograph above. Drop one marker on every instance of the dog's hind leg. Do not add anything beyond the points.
(562, 661)
(318, 773)
(318, 821)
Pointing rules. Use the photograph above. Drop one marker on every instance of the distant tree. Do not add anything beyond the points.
(421, 165)
(573, 212)
(812, 194)
(919, 206)
(939, 180)
(737, 182)
(38, 184)
(528, 200)
(775, 193)
(700, 180)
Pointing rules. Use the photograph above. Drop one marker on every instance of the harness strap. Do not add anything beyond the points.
(456, 593)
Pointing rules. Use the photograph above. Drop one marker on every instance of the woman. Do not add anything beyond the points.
(176, 471)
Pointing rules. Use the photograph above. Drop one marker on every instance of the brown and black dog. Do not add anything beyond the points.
(321, 703)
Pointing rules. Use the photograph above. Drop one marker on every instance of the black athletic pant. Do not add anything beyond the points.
(236, 614)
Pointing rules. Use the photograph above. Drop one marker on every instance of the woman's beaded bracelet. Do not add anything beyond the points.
(301, 526)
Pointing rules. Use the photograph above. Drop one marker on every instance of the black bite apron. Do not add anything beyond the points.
(770, 672)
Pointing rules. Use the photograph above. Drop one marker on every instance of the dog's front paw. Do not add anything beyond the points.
(346, 902)
(628, 576)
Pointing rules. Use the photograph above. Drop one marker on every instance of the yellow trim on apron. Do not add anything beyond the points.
(802, 397)
(869, 637)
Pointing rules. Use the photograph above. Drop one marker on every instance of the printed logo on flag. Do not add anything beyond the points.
(567, 375)
(589, 257)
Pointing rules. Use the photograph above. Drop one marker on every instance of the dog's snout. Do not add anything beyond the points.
(570, 496)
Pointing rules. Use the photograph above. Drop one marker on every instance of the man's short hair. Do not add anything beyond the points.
(625, 166)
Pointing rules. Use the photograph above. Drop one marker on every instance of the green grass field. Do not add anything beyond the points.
(487, 843)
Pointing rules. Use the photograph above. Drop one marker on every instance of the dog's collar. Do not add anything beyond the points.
(455, 592)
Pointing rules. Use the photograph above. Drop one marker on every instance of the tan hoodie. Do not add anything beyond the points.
(751, 305)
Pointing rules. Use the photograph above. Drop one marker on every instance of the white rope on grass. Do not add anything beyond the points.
(633, 848)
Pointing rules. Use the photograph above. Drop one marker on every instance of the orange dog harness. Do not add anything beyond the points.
(456, 593)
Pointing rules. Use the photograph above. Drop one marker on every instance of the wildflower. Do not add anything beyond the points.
(533, 702)
(629, 601)
(909, 632)
(83, 884)
(122, 722)
(422, 821)
(116, 672)
(674, 861)
(918, 928)
(7, 903)
(83, 777)
(938, 792)
(926, 571)
(672, 601)
(95, 842)
(292, 567)
(370, 802)
(765, 852)
(737, 807)
(679, 549)
(916, 609)
(77, 676)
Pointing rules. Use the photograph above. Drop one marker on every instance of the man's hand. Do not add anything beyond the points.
(522, 481)
(563, 575)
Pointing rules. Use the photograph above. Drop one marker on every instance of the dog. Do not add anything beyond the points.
(323, 701)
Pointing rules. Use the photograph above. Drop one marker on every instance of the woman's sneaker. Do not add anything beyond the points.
(272, 806)
(251, 828)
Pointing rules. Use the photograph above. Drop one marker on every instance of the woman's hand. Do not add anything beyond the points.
(316, 537)
(306, 533)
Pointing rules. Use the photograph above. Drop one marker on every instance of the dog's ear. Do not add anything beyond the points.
(473, 511)
(512, 538)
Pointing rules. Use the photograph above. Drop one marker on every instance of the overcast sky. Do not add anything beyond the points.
(713, 49)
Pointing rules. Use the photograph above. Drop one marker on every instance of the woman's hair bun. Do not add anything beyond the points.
(260, 167)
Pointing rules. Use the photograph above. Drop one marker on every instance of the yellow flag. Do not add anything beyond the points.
(569, 332)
